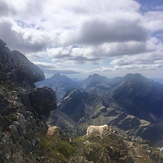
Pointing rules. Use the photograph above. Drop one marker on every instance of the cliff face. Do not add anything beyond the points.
(23, 110)
(16, 68)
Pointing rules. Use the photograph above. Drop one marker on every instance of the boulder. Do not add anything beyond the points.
(43, 101)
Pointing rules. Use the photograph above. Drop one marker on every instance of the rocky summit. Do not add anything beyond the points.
(23, 109)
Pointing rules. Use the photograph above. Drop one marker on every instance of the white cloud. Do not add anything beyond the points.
(73, 33)
(159, 7)
(100, 31)
(153, 20)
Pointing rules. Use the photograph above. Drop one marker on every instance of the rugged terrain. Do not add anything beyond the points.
(24, 113)
(132, 103)
(113, 148)
(23, 109)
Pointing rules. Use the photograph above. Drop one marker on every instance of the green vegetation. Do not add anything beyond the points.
(60, 150)
(95, 149)
(56, 149)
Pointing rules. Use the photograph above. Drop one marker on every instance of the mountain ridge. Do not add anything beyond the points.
(61, 84)
(121, 102)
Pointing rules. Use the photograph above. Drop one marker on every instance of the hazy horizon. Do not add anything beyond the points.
(78, 38)
(159, 79)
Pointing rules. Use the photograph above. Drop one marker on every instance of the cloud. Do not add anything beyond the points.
(72, 55)
(45, 65)
(159, 35)
(65, 72)
(30, 40)
(125, 48)
(50, 69)
(100, 31)
(4, 9)
(147, 61)
(75, 23)
(160, 8)
(153, 20)
(81, 33)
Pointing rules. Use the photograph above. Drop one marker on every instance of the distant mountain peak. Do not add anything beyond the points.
(96, 76)
(58, 74)
(135, 77)
(59, 77)
(59, 83)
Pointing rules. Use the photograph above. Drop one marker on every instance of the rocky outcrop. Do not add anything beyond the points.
(43, 100)
(21, 124)
(16, 68)
(23, 109)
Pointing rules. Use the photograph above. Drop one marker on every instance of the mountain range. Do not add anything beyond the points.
(59, 83)
(133, 104)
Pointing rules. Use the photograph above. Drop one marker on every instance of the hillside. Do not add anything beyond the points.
(112, 148)
(132, 103)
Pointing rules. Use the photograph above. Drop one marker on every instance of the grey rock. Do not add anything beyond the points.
(15, 67)
(43, 101)
(20, 124)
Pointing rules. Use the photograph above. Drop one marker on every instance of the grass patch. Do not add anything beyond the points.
(56, 149)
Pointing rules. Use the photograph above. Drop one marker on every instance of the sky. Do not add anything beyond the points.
(81, 37)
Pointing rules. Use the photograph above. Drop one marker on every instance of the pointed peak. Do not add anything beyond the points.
(96, 76)
(58, 75)
(135, 76)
